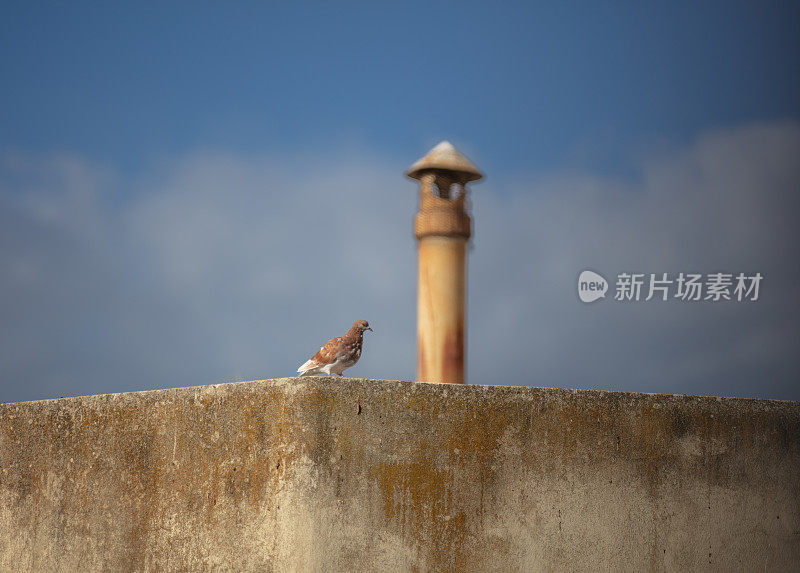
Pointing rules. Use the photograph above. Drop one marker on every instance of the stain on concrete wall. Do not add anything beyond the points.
(317, 474)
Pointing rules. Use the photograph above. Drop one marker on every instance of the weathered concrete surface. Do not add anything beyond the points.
(293, 474)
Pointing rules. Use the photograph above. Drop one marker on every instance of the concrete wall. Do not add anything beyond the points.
(315, 474)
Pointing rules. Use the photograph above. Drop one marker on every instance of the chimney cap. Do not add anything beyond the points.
(445, 157)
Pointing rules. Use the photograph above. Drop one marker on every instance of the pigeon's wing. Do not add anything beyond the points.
(328, 353)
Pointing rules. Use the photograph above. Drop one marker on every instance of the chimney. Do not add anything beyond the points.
(443, 228)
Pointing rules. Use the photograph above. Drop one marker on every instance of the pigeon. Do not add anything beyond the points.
(338, 353)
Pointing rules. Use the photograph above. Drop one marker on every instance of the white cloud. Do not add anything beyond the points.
(221, 266)
(728, 203)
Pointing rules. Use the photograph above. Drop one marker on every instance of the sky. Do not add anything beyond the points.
(198, 193)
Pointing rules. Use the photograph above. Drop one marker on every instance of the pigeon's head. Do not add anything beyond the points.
(362, 325)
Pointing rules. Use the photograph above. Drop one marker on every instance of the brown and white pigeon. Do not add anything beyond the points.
(338, 353)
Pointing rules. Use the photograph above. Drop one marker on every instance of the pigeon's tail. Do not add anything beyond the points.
(310, 368)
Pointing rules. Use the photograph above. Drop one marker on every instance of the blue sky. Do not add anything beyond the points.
(526, 85)
(176, 177)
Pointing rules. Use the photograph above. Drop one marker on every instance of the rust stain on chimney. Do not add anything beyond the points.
(454, 354)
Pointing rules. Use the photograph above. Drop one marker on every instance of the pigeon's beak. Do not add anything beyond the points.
(368, 328)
